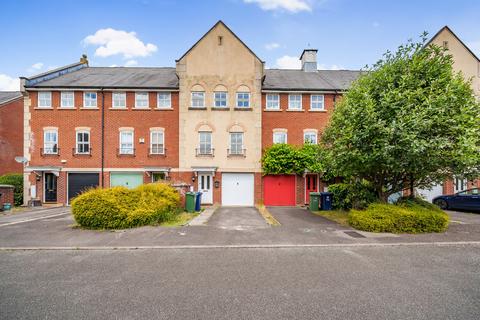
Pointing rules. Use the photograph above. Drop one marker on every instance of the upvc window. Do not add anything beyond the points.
(164, 100)
(317, 102)
(243, 100)
(44, 99)
(236, 143)
(157, 142)
(310, 137)
(141, 100)
(126, 142)
(66, 100)
(50, 142)
(90, 100)
(83, 142)
(220, 99)
(295, 102)
(119, 100)
(198, 99)
(273, 102)
(205, 142)
(279, 137)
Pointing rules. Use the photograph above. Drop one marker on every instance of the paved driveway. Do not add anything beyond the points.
(237, 218)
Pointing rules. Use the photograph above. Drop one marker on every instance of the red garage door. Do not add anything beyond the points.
(279, 190)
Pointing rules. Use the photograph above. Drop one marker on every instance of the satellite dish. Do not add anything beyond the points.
(21, 160)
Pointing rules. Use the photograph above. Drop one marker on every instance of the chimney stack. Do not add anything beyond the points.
(309, 60)
(84, 59)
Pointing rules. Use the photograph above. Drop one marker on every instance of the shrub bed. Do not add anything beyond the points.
(357, 195)
(407, 216)
(16, 180)
(120, 208)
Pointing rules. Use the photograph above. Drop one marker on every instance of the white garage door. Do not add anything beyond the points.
(429, 194)
(237, 189)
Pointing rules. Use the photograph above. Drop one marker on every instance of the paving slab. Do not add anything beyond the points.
(238, 218)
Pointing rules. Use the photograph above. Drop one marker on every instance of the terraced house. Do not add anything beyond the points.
(203, 123)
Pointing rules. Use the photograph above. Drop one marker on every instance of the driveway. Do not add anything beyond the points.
(237, 218)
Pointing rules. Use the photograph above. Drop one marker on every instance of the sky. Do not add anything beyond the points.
(37, 36)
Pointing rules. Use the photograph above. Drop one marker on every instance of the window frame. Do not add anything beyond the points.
(192, 99)
(267, 107)
(290, 101)
(78, 143)
(152, 133)
(169, 106)
(39, 105)
(142, 93)
(238, 100)
(62, 93)
(239, 151)
(313, 102)
(122, 149)
(215, 99)
(282, 133)
(210, 149)
(309, 132)
(53, 149)
(124, 95)
(90, 99)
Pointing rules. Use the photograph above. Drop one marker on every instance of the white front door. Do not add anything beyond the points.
(237, 189)
(205, 187)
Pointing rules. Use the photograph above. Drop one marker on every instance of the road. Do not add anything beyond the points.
(375, 282)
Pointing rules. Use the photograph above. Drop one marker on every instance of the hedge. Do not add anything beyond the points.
(357, 195)
(412, 216)
(16, 180)
(121, 208)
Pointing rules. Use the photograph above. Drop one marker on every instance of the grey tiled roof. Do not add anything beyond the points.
(115, 77)
(6, 96)
(284, 79)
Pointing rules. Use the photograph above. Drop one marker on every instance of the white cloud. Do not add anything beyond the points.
(272, 46)
(112, 42)
(131, 63)
(292, 6)
(330, 67)
(288, 62)
(35, 67)
(8, 83)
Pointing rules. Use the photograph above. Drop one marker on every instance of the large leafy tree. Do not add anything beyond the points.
(409, 121)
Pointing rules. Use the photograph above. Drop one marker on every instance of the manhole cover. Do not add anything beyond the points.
(354, 234)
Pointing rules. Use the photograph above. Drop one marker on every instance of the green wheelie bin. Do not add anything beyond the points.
(314, 204)
(190, 201)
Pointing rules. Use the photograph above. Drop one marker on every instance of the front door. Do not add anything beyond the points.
(50, 187)
(311, 185)
(205, 187)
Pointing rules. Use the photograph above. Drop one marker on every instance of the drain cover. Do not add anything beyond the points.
(354, 234)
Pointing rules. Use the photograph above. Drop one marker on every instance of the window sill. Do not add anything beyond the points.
(89, 108)
(221, 108)
(163, 155)
(242, 109)
(293, 110)
(43, 108)
(67, 108)
(141, 109)
(163, 109)
(197, 108)
(272, 110)
(310, 110)
(118, 108)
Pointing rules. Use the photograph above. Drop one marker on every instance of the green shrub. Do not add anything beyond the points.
(407, 217)
(119, 207)
(357, 195)
(16, 180)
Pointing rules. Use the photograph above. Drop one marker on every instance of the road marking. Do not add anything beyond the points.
(33, 219)
(249, 246)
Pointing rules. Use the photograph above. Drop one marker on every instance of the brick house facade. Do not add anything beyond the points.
(11, 135)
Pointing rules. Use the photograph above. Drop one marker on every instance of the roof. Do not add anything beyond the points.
(7, 96)
(459, 40)
(114, 77)
(298, 80)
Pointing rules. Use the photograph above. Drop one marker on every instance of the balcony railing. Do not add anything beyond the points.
(50, 151)
(126, 152)
(157, 152)
(204, 152)
(78, 152)
(237, 152)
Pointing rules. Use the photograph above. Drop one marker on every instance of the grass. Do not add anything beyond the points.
(180, 220)
(267, 215)
(339, 216)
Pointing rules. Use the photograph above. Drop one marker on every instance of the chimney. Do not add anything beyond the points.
(83, 59)
(309, 60)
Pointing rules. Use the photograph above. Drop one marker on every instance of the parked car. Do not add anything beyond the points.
(464, 200)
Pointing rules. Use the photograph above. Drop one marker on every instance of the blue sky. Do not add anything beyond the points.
(38, 35)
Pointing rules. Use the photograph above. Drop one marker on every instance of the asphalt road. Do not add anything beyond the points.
(414, 282)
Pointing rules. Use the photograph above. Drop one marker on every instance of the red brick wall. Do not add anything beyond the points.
(141, 120)
(11, 136)
(6, 196)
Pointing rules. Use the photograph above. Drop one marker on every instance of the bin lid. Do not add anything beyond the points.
(314, 193)
(191, 193)
(326, 193)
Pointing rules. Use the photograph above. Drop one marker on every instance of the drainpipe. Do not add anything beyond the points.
(103, 138)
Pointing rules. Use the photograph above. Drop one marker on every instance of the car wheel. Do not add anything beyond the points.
(442, 204)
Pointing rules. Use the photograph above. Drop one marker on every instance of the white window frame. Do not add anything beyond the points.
(164, 103)
(269, 104)
(238, 100)
(318, 102)
(283, 133)
(291, 101)
(238, 147)
(206, 150)
(126, 150)
(193, 93)
(123, 98)
(310, 132)
(90, 106)
(159, 145)
(137, 100)
(50, 147)
(221, 99)
(63, 99)
(78, 143)
(47, 99)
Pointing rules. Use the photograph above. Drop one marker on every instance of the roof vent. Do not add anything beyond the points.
(84, 59)
(309, 60)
